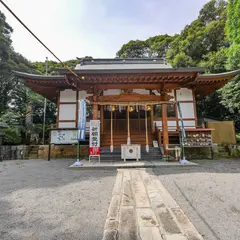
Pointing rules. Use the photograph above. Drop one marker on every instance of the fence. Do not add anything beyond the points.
(224, 132)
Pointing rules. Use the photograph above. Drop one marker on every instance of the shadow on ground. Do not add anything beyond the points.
(209, 195)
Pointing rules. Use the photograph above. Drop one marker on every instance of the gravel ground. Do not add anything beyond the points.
(209, 195)
(42, 200)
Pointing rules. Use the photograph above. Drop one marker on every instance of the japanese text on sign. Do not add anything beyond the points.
(94, 141)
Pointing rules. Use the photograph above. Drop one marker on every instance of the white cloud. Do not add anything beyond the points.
(95, 28)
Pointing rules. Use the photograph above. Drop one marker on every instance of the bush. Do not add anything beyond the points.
(238, 137)
(11, 136)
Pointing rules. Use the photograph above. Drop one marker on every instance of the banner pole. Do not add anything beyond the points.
(78, 154)
(183, 134)
(81, 133)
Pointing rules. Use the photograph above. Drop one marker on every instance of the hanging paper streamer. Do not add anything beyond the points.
(111, 144)
(146, 123)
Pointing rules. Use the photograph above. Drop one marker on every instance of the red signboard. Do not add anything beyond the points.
(94, 151)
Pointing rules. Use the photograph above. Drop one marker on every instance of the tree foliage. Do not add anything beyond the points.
(152, 47)
(231, 92)
(202, 43)
(15, 95)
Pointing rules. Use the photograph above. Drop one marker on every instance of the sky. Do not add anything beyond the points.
(97, 28)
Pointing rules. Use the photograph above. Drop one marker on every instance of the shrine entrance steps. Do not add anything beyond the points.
(154, 154)
(121, 138)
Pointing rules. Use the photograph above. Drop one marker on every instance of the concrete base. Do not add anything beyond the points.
(130, 164)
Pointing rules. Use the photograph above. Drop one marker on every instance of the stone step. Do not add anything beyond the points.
(34, 151)
(32, 156)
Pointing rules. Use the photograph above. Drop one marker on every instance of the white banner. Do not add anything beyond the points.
(94, 138)
(82, 120)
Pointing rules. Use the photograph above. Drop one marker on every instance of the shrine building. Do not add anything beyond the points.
(134, 99)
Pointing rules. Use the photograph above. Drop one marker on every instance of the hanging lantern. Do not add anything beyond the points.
(148, 108)
(131, 109)
(113, 108)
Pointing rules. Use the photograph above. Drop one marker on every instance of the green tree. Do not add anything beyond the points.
(134, 49)
(203, 43)
(231, 92)
(155, 46)
(5, 68)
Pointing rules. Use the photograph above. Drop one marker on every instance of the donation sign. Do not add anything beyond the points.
(94, 138)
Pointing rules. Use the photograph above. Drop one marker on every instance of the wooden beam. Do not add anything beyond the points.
(64, 121)
(133, 97)
(165, 127)
(137, 86)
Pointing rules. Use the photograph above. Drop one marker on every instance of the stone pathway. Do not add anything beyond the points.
(142, 209)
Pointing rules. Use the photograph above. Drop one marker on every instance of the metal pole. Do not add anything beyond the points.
(45, 106)
(78, 151)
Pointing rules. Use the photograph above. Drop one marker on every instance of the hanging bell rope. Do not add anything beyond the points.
(146, 123)
(128, 126)
(111, 142)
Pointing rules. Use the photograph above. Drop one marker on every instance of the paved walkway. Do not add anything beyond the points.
(141, 208)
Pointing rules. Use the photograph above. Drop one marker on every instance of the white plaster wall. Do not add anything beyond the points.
(172, 125)
(187, 110)
(67, 112)
(184, 94)
(68, 95)
(188, 123)
(67, 125)
(112, 92)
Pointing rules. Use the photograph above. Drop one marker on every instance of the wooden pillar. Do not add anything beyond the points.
(165, 127)
(95, 111)
(95, 108)
(176, 109)
(77, 109)
(102, 118)
(58, 107)
(194, 106)
(139, 123)
(152, 119)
